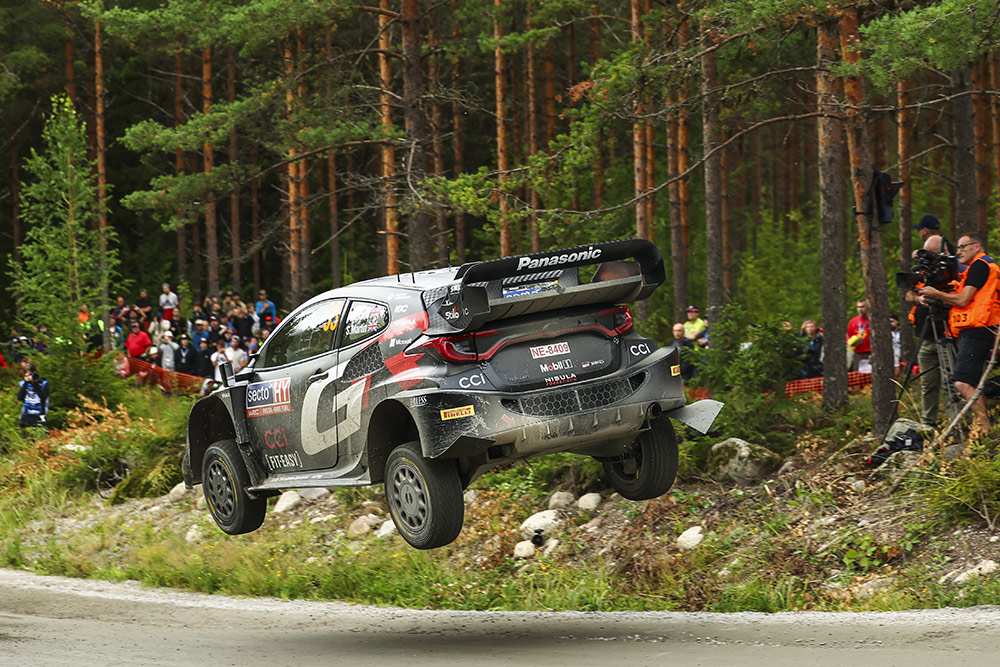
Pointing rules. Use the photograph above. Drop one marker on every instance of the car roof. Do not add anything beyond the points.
(379, 288)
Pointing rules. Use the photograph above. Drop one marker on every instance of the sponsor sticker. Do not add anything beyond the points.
(675, 370)
(279, 461)
(458, 413)
(269, 398)
(560, 379)
(531, 263)
(593, 363)
(553, 366)
(550, 350)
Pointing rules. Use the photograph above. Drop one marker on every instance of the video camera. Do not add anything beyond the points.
(935, 269)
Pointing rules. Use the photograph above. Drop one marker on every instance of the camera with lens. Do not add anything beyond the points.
(935, 269)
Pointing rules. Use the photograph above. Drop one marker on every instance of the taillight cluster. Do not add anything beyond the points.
(622, 318)
(458, 348)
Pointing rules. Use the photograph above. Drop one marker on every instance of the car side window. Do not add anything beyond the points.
(364, 319)
(307, 333)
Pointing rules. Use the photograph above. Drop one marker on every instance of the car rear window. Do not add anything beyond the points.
(364, 319)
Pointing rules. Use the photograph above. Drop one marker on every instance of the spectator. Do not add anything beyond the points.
(214, 330)
(144, 305)
(169, 303)
(168, 351)
(198, 313)
(157, 328)
(681, 343)
(242, 323)
(812, 346)
(237, 355)
(187, 359)
(137, 341)
(929, 231)
(219, 357)
(205, 367)
(695, 328)
(267, 314)
(34, 397)
(858, 338)
(199, 334)
(120, 311)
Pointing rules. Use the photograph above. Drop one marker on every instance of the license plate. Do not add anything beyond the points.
(543, 351)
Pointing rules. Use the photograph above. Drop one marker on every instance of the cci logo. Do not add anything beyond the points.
(639, 349)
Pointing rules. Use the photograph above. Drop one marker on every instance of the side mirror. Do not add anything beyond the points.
(226, 370)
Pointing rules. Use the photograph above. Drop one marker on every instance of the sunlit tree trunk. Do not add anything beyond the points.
(595, 56)
(677, 251)
(211, 235)
(503, 140)
(981, 137)
(714, 287)
(418, 226)
(102, 179)
(532, 116)
(294, 233)
(234, 197)
(964, 154)
(869, 231)
(994, 72)
(639, 138)
(388, 151)
(305, 230)
(331, 175)
(179, 157)
(904, 149)
(456, 141)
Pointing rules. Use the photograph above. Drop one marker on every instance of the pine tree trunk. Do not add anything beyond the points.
(418, 227)
(904, 149)
(994, 71)
(869, 231)
(456, 141)
(595, 56)
(677, 254)
(531, 79)
(211, 235)
(549, 94)
(714, 286)
(757, 188)
(331, 178)
(102, 181)
(684, 185)
(503, 141)
(305, 230)
(294, 233)
(234, 197)
(179, 158)
(649, 182)
(964, 158)
(15, 195)
(981, 137)
(639, 137)
(255, 221)
(388, 151)
(437, 138)
(831, 203)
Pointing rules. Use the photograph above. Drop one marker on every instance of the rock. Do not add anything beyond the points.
(313, 493)
(954, 451)
(690, 538)
(550, 547)
(193, 535)
(561, 500)
(899, 464)
(589, 502)
(870, 588)
(524, 549)
(360, 526)
(547, 521)
(738, 461)
(386, 529)
(982, 568)
(858, 485)
(901, 426)
(288, 501)
(470, 497)
(178, 492)
(786, 467)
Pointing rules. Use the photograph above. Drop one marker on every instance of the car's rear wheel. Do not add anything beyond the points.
(224, 480)
(424, 497)
(647, 470)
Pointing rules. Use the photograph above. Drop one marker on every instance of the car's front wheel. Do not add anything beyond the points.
(647, 470)
(424, 497)
(224, 480)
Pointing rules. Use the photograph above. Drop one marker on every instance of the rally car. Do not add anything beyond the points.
(423, 381)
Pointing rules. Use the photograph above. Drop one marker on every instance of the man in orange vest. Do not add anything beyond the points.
(974, 316)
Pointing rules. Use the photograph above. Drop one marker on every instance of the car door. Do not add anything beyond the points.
(291, 398)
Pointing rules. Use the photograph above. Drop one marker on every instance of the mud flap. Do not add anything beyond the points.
(699, 415)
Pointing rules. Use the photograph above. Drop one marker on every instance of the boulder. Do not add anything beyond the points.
(901, 426)
(524, 549)
(288, 501)
(179, 491)
(737, 461)
(690, 538)
(983, 567)
(547, 521)
(589, 502)
(386, 529)
(360, 526)
(194, 534)
(313, 493)
(561, 500)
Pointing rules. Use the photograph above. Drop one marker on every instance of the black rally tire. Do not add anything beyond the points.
(649, 469)
(424, 497)
(224, 481)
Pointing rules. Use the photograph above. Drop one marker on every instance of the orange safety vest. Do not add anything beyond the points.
(983, 310)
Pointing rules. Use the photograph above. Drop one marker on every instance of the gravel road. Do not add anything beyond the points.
(54, 621)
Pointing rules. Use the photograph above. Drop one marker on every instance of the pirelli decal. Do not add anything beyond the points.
(458, 413)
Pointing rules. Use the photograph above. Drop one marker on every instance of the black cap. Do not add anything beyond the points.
(928, 222)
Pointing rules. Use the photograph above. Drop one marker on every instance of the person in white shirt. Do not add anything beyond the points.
(169, 303)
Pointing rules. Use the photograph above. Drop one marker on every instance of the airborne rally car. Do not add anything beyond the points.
(424, 381)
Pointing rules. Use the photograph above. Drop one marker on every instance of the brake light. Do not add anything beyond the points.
(458, 348)
(623, 318)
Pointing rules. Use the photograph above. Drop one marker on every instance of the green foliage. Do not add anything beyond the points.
(968, 489)
(534, 479)
(76, 378)
(66, 263)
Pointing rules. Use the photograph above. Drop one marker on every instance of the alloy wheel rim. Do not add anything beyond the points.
(409, 498)
(220, 490)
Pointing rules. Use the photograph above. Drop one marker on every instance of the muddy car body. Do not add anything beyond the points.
(424, 381)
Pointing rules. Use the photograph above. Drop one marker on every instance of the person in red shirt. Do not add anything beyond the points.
(859, 337)
(138, 341)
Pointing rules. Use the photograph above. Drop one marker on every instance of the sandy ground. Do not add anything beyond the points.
(58, 621)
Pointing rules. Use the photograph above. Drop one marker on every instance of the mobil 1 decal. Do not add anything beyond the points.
(269, 398)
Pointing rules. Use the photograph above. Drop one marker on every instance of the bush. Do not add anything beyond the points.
(74, 379)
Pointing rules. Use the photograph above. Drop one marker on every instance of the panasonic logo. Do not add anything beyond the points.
(556, 260)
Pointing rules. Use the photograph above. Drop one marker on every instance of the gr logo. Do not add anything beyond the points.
(473, 381)
(639, 349)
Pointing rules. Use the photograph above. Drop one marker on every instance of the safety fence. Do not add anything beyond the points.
(170, 382)
(855, 380)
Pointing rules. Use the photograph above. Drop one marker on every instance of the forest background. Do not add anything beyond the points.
(295, 146)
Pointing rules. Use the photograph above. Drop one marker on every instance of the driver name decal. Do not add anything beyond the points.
(269, 398)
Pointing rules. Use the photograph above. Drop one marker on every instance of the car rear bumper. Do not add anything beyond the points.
(599, 416)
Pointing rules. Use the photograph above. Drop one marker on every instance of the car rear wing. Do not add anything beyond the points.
(523, 284)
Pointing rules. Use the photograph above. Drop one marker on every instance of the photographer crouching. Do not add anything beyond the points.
(973, 311)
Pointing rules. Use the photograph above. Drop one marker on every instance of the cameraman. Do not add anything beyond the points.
(34, 398)
(974, 310)
(928, 331)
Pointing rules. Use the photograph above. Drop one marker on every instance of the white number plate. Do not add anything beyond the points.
(543, 351)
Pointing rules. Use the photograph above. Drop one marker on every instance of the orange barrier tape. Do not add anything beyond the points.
(171, 382)
(854, 381)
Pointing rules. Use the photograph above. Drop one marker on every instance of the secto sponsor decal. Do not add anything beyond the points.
(458, 413)
(551, 350)
(269, 398)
